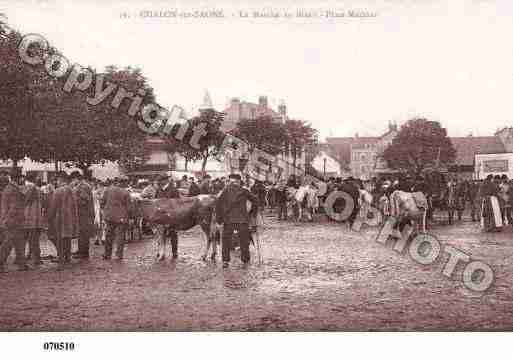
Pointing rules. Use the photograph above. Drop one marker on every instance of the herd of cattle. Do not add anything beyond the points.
(170, 215)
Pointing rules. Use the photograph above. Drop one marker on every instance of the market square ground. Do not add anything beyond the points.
(315, 276)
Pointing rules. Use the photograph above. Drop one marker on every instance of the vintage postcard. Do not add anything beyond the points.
(254, 166)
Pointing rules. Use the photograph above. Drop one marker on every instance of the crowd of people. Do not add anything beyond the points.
(73, 206)
(489, 201)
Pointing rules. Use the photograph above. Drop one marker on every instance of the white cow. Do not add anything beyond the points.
(306, 199)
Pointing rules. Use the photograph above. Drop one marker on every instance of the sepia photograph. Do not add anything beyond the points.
(222, 167)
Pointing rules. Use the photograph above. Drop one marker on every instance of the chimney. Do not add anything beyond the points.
(235, 101)
(262, 101)
(356, 135)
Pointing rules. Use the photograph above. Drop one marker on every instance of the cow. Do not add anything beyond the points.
(307, 201)
(303, 199)
(365, 199)
(171, 215)
(409, 207)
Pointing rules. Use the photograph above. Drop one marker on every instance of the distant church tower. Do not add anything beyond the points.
(207, 102)
(282, 110)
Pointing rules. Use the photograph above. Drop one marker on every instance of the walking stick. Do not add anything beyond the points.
(257, 235)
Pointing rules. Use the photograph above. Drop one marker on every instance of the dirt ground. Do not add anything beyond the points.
(314, 276)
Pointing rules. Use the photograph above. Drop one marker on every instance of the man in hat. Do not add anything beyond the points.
(116, 204)
(4, 181)
(34, 222)
(504, 199)
(281, 199)
(63, 217)
(12, 221)
(166, 188)
(194, 189)
(205, 187)
(349, 186)
(85, 204)
(491, 215)
(259, 190)
(150, 190)
(231, 211)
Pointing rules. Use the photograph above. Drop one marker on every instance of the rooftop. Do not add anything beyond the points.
(467, 147)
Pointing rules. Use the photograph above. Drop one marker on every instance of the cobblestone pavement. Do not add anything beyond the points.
(318, 276)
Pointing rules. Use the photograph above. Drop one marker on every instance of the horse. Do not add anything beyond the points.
(409, 207)
(171, 215)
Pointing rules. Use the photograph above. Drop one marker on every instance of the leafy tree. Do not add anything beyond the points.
(209, 143)
(300, 137)
(20, 87)
(420, 144)
(189, 153)
(3, 24)
(263, 133)
(123, 139)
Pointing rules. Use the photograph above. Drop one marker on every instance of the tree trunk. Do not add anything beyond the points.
(186, 163)
(204, 163)
(294, 159)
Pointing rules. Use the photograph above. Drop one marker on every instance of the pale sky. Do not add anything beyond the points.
(450, 61)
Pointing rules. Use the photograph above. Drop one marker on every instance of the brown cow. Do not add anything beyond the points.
(180, 214)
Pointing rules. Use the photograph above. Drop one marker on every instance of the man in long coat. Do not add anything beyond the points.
(116, 206)
(231, 211)
(63, 217)
(4, 181)
(349, 186)
(12, 222)
(194, 189)
(34, 221)
(491, 218)
(167, 189)
(85, 204)
(205, 187)
(473, 198)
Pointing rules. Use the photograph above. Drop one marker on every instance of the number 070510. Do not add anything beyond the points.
(59, 346)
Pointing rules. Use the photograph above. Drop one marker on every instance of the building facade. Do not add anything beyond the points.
(363, 155)
(238, 110)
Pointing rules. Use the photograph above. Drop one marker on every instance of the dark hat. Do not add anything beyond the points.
(75, 174)
(206, 177)
(235, 176)
(489, 177)
(504, 177)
